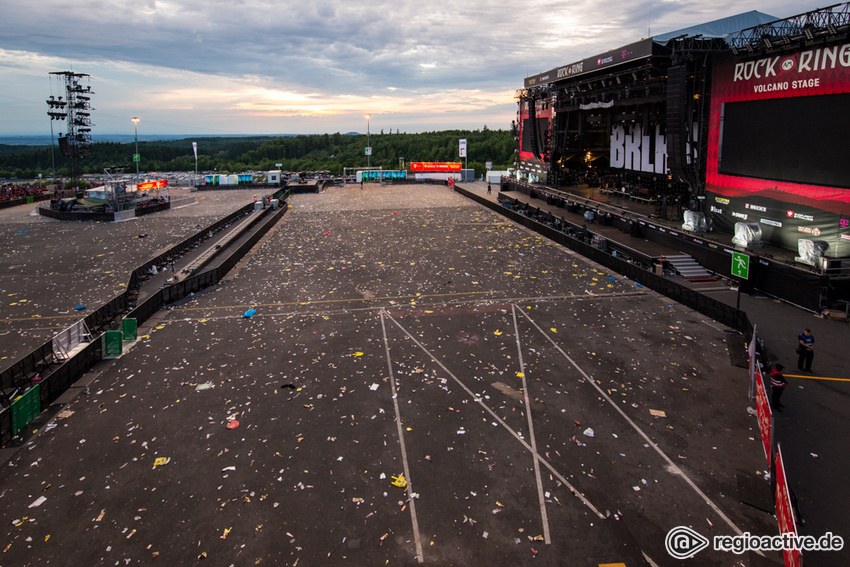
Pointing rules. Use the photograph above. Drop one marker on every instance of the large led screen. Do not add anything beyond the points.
(798, 139)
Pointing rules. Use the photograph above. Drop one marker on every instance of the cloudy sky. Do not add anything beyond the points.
(220, 67)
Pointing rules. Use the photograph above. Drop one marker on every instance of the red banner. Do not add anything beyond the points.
(810, 72)
(434, 167)
(152, 185)
(765, 415)
(784, 512)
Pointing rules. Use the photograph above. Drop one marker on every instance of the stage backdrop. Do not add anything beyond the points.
(778, 147)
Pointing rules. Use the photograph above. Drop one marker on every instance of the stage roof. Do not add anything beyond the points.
(647, 47)
(721, 27)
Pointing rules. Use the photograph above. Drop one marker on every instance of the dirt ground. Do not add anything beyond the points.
(541, 410)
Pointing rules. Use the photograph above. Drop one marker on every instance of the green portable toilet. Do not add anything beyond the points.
(25, 408)
(112, 346)
(129, 329)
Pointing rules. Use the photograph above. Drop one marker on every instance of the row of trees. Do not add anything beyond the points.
(331, 152)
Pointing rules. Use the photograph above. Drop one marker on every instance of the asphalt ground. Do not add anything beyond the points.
(49, 267)
(398, 330)
(813, 428)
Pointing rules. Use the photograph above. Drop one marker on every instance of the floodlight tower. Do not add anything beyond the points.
(76, 108)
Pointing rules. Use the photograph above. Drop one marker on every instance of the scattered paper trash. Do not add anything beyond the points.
(204, 386)
(588, 432)
(38, 502)
(233, 424)
(373, 387)
(161, 461)
(657, 413)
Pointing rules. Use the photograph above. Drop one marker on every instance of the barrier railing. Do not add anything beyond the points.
(62, 378)
(75, 216)
(23, 201)
(708, 306)
(142, 211)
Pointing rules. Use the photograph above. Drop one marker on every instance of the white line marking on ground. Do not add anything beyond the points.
(499, 420)
(540, 496)
(671, 465)
(416, 537)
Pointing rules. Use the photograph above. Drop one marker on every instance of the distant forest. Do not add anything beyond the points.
(330, 152)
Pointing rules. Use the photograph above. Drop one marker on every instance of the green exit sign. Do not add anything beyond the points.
(740, 265)
(137, 157)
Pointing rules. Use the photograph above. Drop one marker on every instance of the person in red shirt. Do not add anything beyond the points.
(777, 386)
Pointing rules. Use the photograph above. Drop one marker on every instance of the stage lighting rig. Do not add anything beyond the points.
(76, 108)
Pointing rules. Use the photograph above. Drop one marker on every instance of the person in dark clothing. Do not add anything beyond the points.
(805, 350)
(489, 189)
(777, 386)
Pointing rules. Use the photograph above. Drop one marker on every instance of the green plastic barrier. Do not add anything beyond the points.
(129, 329)
(112, 345)
(26, 408)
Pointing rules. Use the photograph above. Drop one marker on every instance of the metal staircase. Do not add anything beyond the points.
(689, 269)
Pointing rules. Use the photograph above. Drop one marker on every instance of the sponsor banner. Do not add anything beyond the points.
(631, 52)
(435, 167)
(147, 186)
(784, 511)
(782, 224)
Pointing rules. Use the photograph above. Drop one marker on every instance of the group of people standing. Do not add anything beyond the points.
(805, 355)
